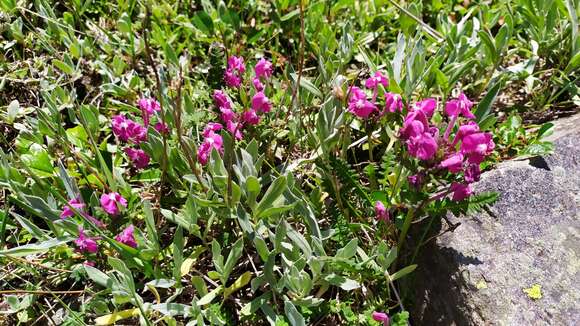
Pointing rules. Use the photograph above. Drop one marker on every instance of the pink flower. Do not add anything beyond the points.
(232, 79)
(76, 203)
(212, 140)
(98, 223)
(472, 173)
(162, 127)
(459, 106)
(381, 212)
(460, 191)
(258, 84)
(89, 263)
(477, 146)
(374, 81)
(235, 129)
(382, 317)
(263, 69)
(415, 180)
(227, 115)
(148, 107)
(210, 128)
(86, 244)
(358, 103)
(250, 117)
(465, 130)
(422, 147)
(126, 237)
(261, 103)
(139, 158)
(453, 163)
(221, 100)
(128, 130)
(393, 102)
(233, 74)
(236, 63)
(427, 105)
(414, 125)
(110, 202)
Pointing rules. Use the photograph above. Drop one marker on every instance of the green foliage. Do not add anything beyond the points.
(280, 229)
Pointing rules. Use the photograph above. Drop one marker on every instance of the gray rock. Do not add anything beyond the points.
(531, 235)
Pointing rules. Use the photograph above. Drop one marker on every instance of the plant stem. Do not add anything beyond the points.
(164, 158)
(405, 230)
(179, 128)
(5, 219)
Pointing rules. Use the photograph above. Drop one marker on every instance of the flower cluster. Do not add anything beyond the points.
(132, 132)
(360, 105)
(78, 205)
(234, 72)
(462, 154)
(460, 150)
(233, 121)
(110, 203)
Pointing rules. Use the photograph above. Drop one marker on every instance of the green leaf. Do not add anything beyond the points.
(402, 272)
(290, 15)
(255, 304)
(208, 298)
(398, 58)
(178, 244)
(64, 67)
(343, 282)
(12, 111)
(574, 64)
(98, 277)
(348, 251)
(242, 281)
(77, 136)
(173, 309)
(203, 22)
(272, 195)
(38, 160)
(294, 317)
(34, 248)
(151, 227)
(308, 85)
(233, 257)
(486, 104)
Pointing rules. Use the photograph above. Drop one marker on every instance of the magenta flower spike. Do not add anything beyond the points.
(128, 130)
(476, 146)
(381, 317)
(126, 237)
(422, 147)
(138, 157)
(377, 79)
(250, 117)
(358, 103)
(465, 130)
(460, 191)
(381, 212)
(148, 108)
(453, 163)
(260, 103)
(461, 106)
(161, 127)
(212, 140)
(393, 102)
(110, 202)
(76, 203)
(427, 105)
(85, 243)
(263, 69)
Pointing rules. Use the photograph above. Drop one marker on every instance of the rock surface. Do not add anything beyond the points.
(530, 236)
